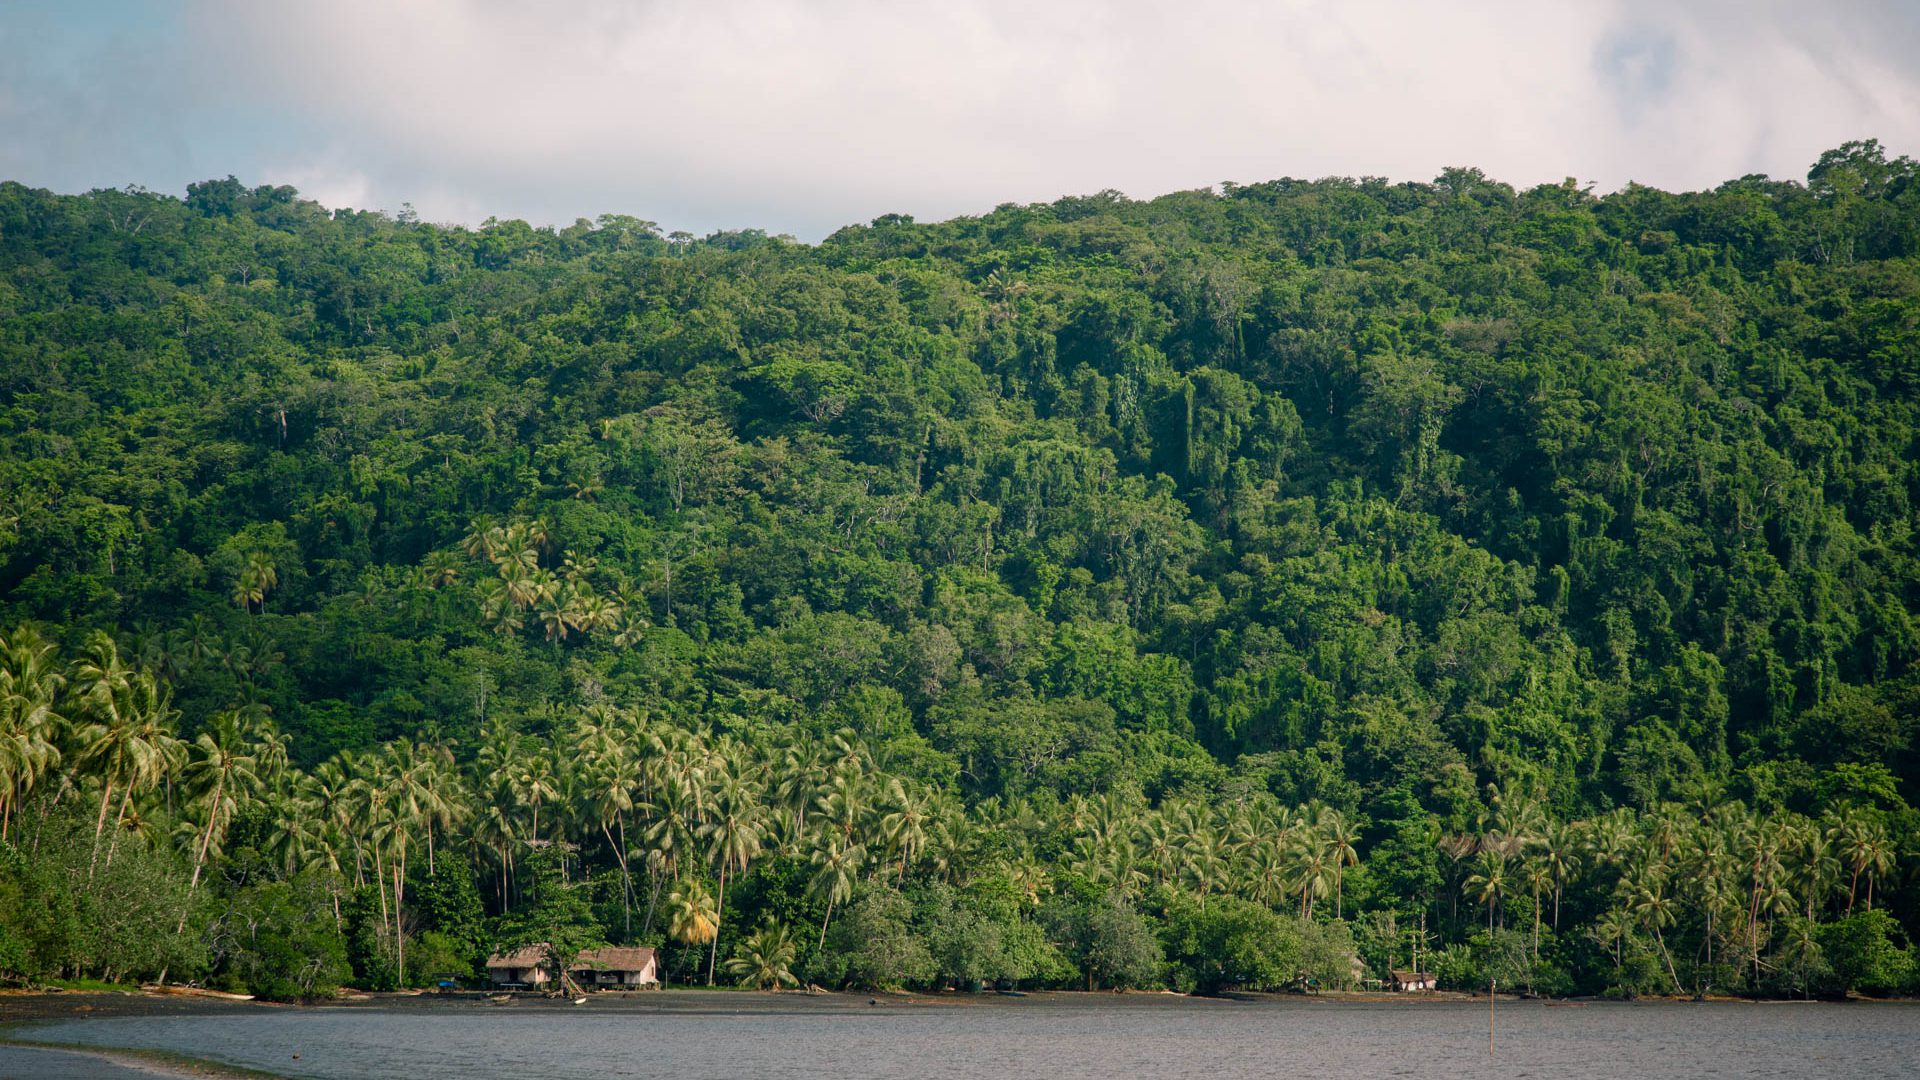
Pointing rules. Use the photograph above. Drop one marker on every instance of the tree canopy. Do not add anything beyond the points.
(1420, 547)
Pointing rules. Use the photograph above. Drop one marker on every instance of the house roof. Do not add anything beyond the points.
(524, 957)
(1412, 976)
(614, 959)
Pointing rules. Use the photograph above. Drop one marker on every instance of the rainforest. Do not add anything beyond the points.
(1268, 586)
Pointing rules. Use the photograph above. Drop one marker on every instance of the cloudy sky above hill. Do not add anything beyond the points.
(800, 117)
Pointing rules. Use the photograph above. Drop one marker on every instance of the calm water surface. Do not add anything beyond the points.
(1048, 1038)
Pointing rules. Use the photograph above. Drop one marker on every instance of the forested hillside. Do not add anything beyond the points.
(1106, 592)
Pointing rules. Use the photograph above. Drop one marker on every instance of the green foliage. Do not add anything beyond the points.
(1110, 942)
(278, 940)
(1235, 943)
(120, 920)
(873, 946)
(764, 959)
(1233, 565)
(558, 915)
(1866, 951)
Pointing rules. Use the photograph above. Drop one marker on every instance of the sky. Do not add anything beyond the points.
(798, 117)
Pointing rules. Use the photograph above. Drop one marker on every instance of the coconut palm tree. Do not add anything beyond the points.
(1539, 877)
(1558, 847)
(765, 961)
(256, 578)
(222, 770)
(904, 825)
(836, 865)
(734, 836)
(1864, 848)
(1339, 839)
(534, 784)
(606, 768)
(1655, 910)
(126, 739)
(1487, 884)
(691, 919)
(30, 727)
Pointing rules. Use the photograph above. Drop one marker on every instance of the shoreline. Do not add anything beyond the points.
(142, 1062)
(22, 1009)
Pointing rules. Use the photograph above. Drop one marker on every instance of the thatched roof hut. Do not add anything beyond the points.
(1409, 981)
(616, 966)
(525, 966)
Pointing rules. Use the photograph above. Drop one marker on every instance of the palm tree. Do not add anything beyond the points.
(1612, 929)
(407, 800)
(222, 770)
(606, 768)
(1558, 847)
(734, 837)
(836, 867)
(1339, 838)
(30, 728)
(691, 919)
(1538, 876)
(533, 785)
(904, 825)
(1488, 883)
(256, 578)
(1865, 849)
(1655, 911)
(1312, 869)
(766, 959)
(127, 740)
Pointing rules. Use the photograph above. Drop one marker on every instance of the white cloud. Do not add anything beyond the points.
(801, 116)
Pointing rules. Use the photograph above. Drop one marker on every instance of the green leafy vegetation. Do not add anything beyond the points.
(1237, 588)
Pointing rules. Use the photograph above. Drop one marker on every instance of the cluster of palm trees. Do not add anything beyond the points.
(520, 588)
(257, 577)
(671, 817)
(1288, 858)
(1714, 870)
(100, 729)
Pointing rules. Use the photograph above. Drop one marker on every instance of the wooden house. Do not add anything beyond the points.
(616, 968)
(522, 969)
(1407, 982)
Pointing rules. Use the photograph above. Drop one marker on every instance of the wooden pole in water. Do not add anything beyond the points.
(1491, 987)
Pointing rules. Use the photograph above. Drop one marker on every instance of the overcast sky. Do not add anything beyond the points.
(800, 117)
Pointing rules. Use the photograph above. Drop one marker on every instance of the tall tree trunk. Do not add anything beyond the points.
(399, 931)
(380, 883)
(823, 925)
(206, 837)
(119, 820)
(626, 882)
(1668, 957)
(653, 899)
(106, 796)
(719, 920)
(620, 856)
(206, 842)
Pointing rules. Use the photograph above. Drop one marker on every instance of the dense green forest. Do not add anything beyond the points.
(1227, 589)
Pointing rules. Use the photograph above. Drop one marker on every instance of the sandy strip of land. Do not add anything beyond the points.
(22, 1062)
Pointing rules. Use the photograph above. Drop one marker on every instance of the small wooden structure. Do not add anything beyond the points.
(616, 968)
(526, 968)
(1408, 982)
